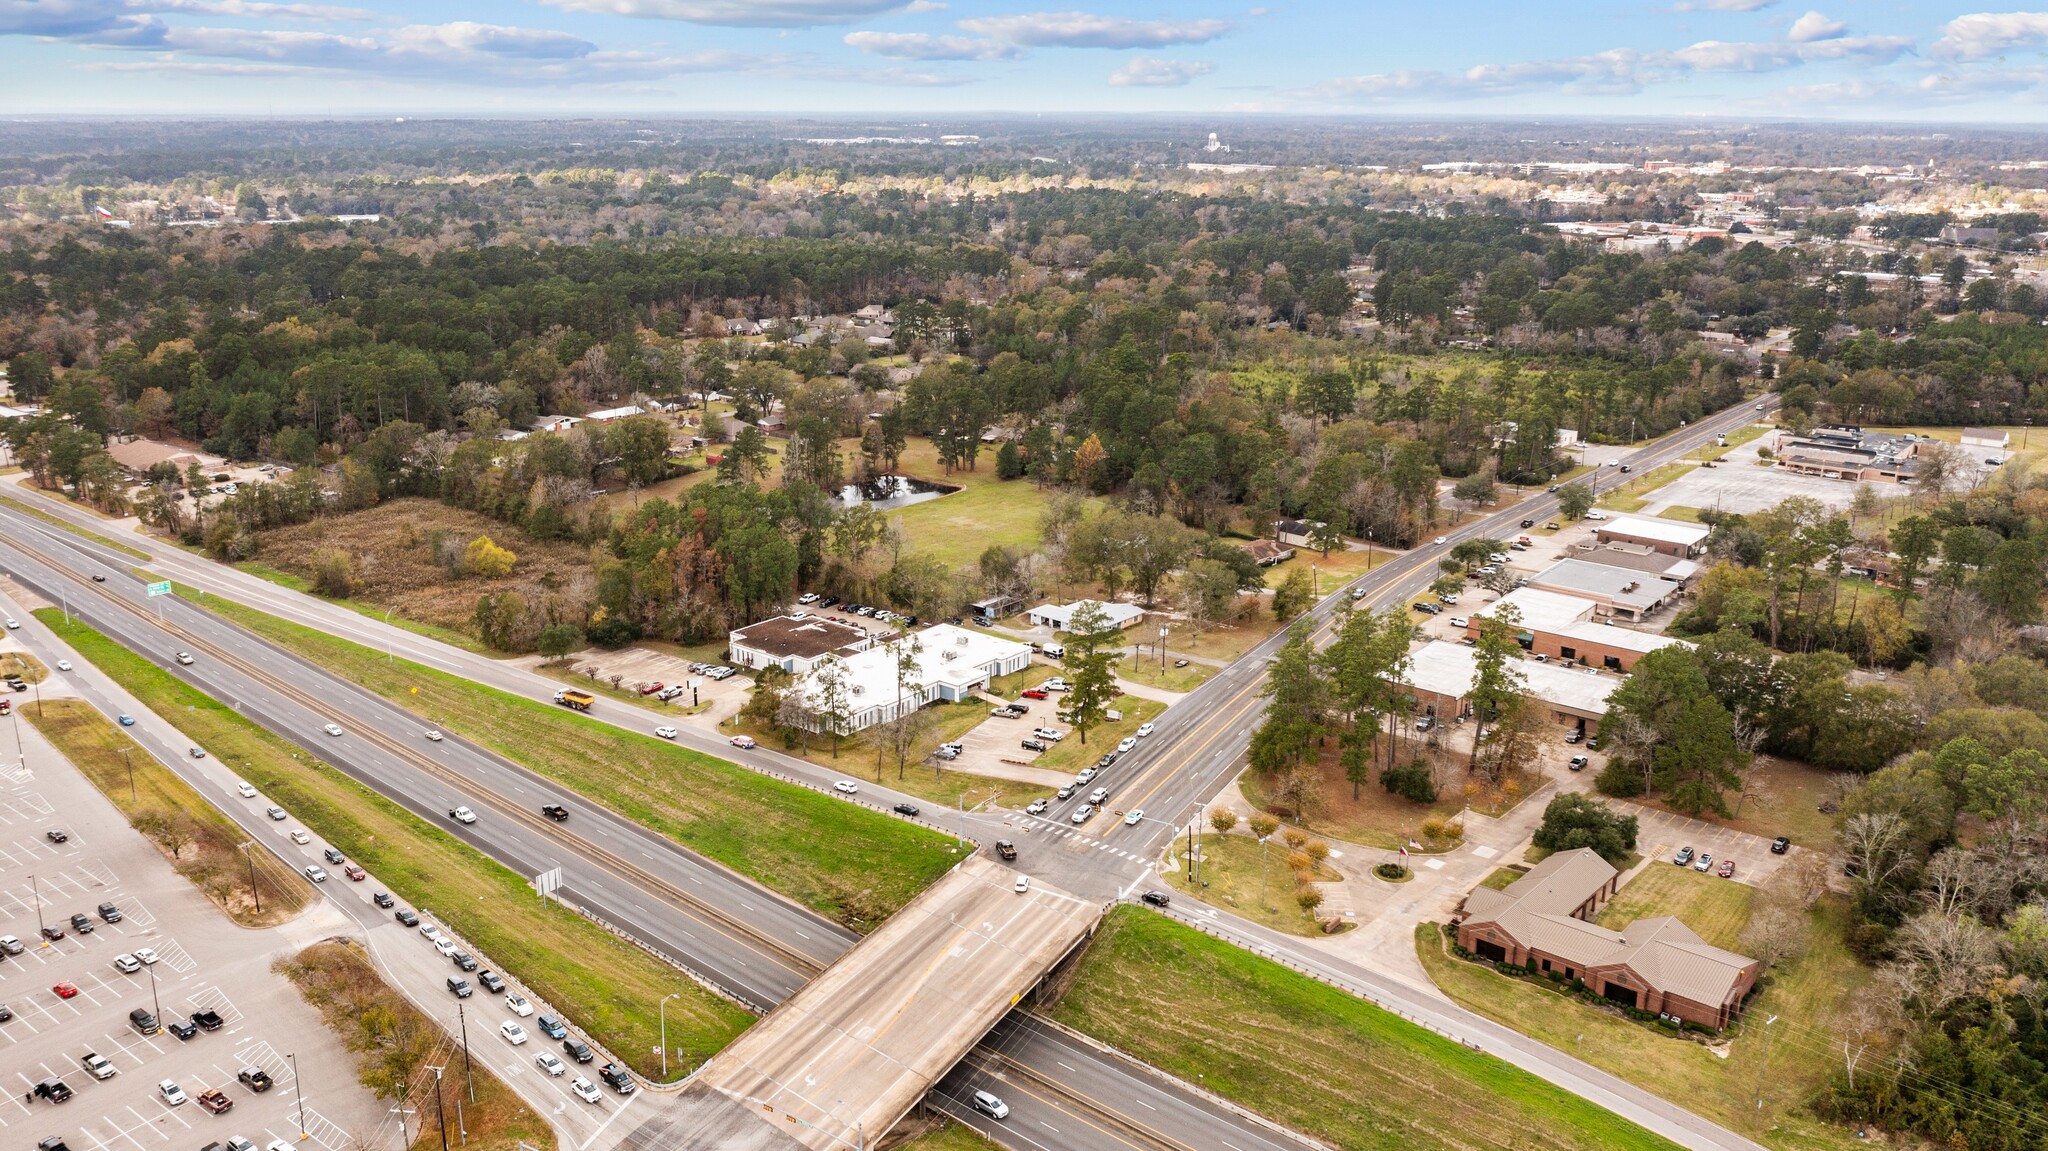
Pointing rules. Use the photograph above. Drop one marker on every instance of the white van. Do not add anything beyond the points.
(991, 1106)
(1054, 651)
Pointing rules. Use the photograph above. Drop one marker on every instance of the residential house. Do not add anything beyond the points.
(1268, 552)
(1296, 532)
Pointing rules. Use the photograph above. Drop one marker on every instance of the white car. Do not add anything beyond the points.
(513, 1033)
(1441, 540)
(1087, 773)
(1613, 463)
(1145, 729)
(315, 872)
(172, 1093)
(1038, 807)
(247, 789)
(1082, 813)
(12, 623)
(445, 945)
(1049, 734)
(462, 815)
(846, 786)
(547, 1062)
(184, 657)
(147, 955)
(430, 931)
(331, 729)
(585, 1090)
(63, 665)
(433, 735)
(1134, 817)
(1596, 515)
(299, 836)
(518, 1005)
(665, 732)
(1126, 743)
(1023, 884)
(127, 964)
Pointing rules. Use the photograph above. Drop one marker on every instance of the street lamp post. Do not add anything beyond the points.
(664, 1033)
(299, 1086)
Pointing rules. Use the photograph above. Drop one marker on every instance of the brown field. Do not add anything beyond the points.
(1786, 801)
(407, 579)
(1377, 818)
(21, 663)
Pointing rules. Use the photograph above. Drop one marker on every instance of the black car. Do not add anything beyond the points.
(1780, 845)
(551, 1027)
(81, 924)
(406, 917)
(53, 1089)
(1033, 745)
(1006, 849)
(383, 899)
(555, 811)
(207, 1020)
(183, 1029)
(909, 809)
(829, 601)
(255, 1079)
(334, 856)
(464, 960)
(1156, 898)
(99, 579)
(110, 913)
(460, 987)
(578, 1050)
(617, 1078)
(1106, 760)
(56, 1142)
(142, 1021)
(490, 981)
(55, 835)
(1528, 523)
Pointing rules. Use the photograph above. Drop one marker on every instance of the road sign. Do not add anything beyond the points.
(161, 587)
(547, 882)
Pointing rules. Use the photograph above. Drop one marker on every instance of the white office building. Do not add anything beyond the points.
(951, 664)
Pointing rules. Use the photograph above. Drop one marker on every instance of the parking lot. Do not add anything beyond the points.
(1660, 834)
(1740, 485)
(202, 963)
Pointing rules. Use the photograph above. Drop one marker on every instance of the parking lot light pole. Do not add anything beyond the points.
(37, 894)
(298, 1085)
(664, 1031)
(154, 1001)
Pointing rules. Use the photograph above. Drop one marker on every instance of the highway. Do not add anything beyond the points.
(727, 929)
(1198, 747)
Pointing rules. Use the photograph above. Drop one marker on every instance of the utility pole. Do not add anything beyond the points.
(440, 1115)
(158, 1003)
(1764, 1062)
(404, 1136)
(130, 764)
(467, 1074)
(254, 893)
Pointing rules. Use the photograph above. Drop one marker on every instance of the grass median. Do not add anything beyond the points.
(1311, 1056)
(201, 841)
(57, 521)
(607, 986)
(853, 864)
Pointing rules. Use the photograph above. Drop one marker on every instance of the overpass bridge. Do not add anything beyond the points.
(841, 1061)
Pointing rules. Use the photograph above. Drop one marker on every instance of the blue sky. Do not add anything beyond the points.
(1722, 59)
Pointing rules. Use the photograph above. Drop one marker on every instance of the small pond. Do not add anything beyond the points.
(886, 493)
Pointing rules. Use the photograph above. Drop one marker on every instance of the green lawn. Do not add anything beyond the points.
(1311, 1056)
(1168, 678)
(1631, 496)
(1806, 994)
(934, 780)
(1502, 878)
(57, 521)
(1237, 874)
(1070, 754)
(1716, 909)
(608, 986)
(845, 861)
(948, 1137)
(958, 527)
(1736, 439)
(152, 796)
(1690, 515)
(446, 635)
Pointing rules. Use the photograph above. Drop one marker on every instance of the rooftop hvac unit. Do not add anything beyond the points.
(961, 640)
(859, 690)
(948, 656)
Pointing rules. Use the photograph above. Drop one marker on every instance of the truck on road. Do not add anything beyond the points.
(570, 697)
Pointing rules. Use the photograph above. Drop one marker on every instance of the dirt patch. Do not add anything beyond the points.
(405, 556)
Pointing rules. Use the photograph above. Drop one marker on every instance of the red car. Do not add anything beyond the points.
(53, 934)
(355, 873)
(1727, 869)
(216, 1102)
(65, 990)
(651, 688)
(1036, 693)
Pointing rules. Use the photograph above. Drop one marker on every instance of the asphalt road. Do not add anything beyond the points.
(591, 848)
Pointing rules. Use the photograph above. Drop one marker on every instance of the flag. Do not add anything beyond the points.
(1404, 853)
(102, 212)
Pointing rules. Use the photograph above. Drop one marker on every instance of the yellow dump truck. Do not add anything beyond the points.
(570, 697)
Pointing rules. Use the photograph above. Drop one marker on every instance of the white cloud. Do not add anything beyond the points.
(1722, 5)
(739, 13)
(256, 8)
(925, 6)
(924, 46)
(1814, 26)
(1150, 72)
(1087, 30)
(1986, 34)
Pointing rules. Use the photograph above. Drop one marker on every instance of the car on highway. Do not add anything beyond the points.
(215, 1102)
(518, 1005)
(355, 874)
(1037, 807)
(489, 981)
(547, 1062)
(383, 899)
(460, 987)
(551, 1027)
(56, 835)
(127, 964)
(127, 720)
(430, 932)
(1098, 795)
(148, 955)
(846, 787)
(617, 1078)
(1087, 773)
(407, 916)
(462, 815)
(63, 665)
(197, 752)
(991, 1106)
(274, 812)
(585, 1090)
(172, 1093)
(909, 809)
(577, 1050)
(555, 811)
(1156, 898)
(1108, 758)
(1006, 849)
(185, 657)
(743, 741)
(433, 735)
(1126, 743)
(1134, 817)
(1145, 729)
(1082, 813)
(665, 732)
(254, 1078)
(1441, 540)
(445, 946)
(12, 623)
(1727, 869)
(245, 789)
(300, 837)
(333, 855)
(463, 960)
(1066, 792)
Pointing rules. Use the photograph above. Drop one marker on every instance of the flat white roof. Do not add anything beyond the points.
(1568, 615)
(616, 413)
(1448, 669)
(1663, 531)
(1112, 613)
(946, 654)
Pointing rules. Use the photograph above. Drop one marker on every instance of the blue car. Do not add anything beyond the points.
(551, 1027)
(127, 721)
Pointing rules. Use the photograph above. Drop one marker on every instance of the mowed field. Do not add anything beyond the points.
(1311, 1056)
(958, 527)
(1716, 909)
